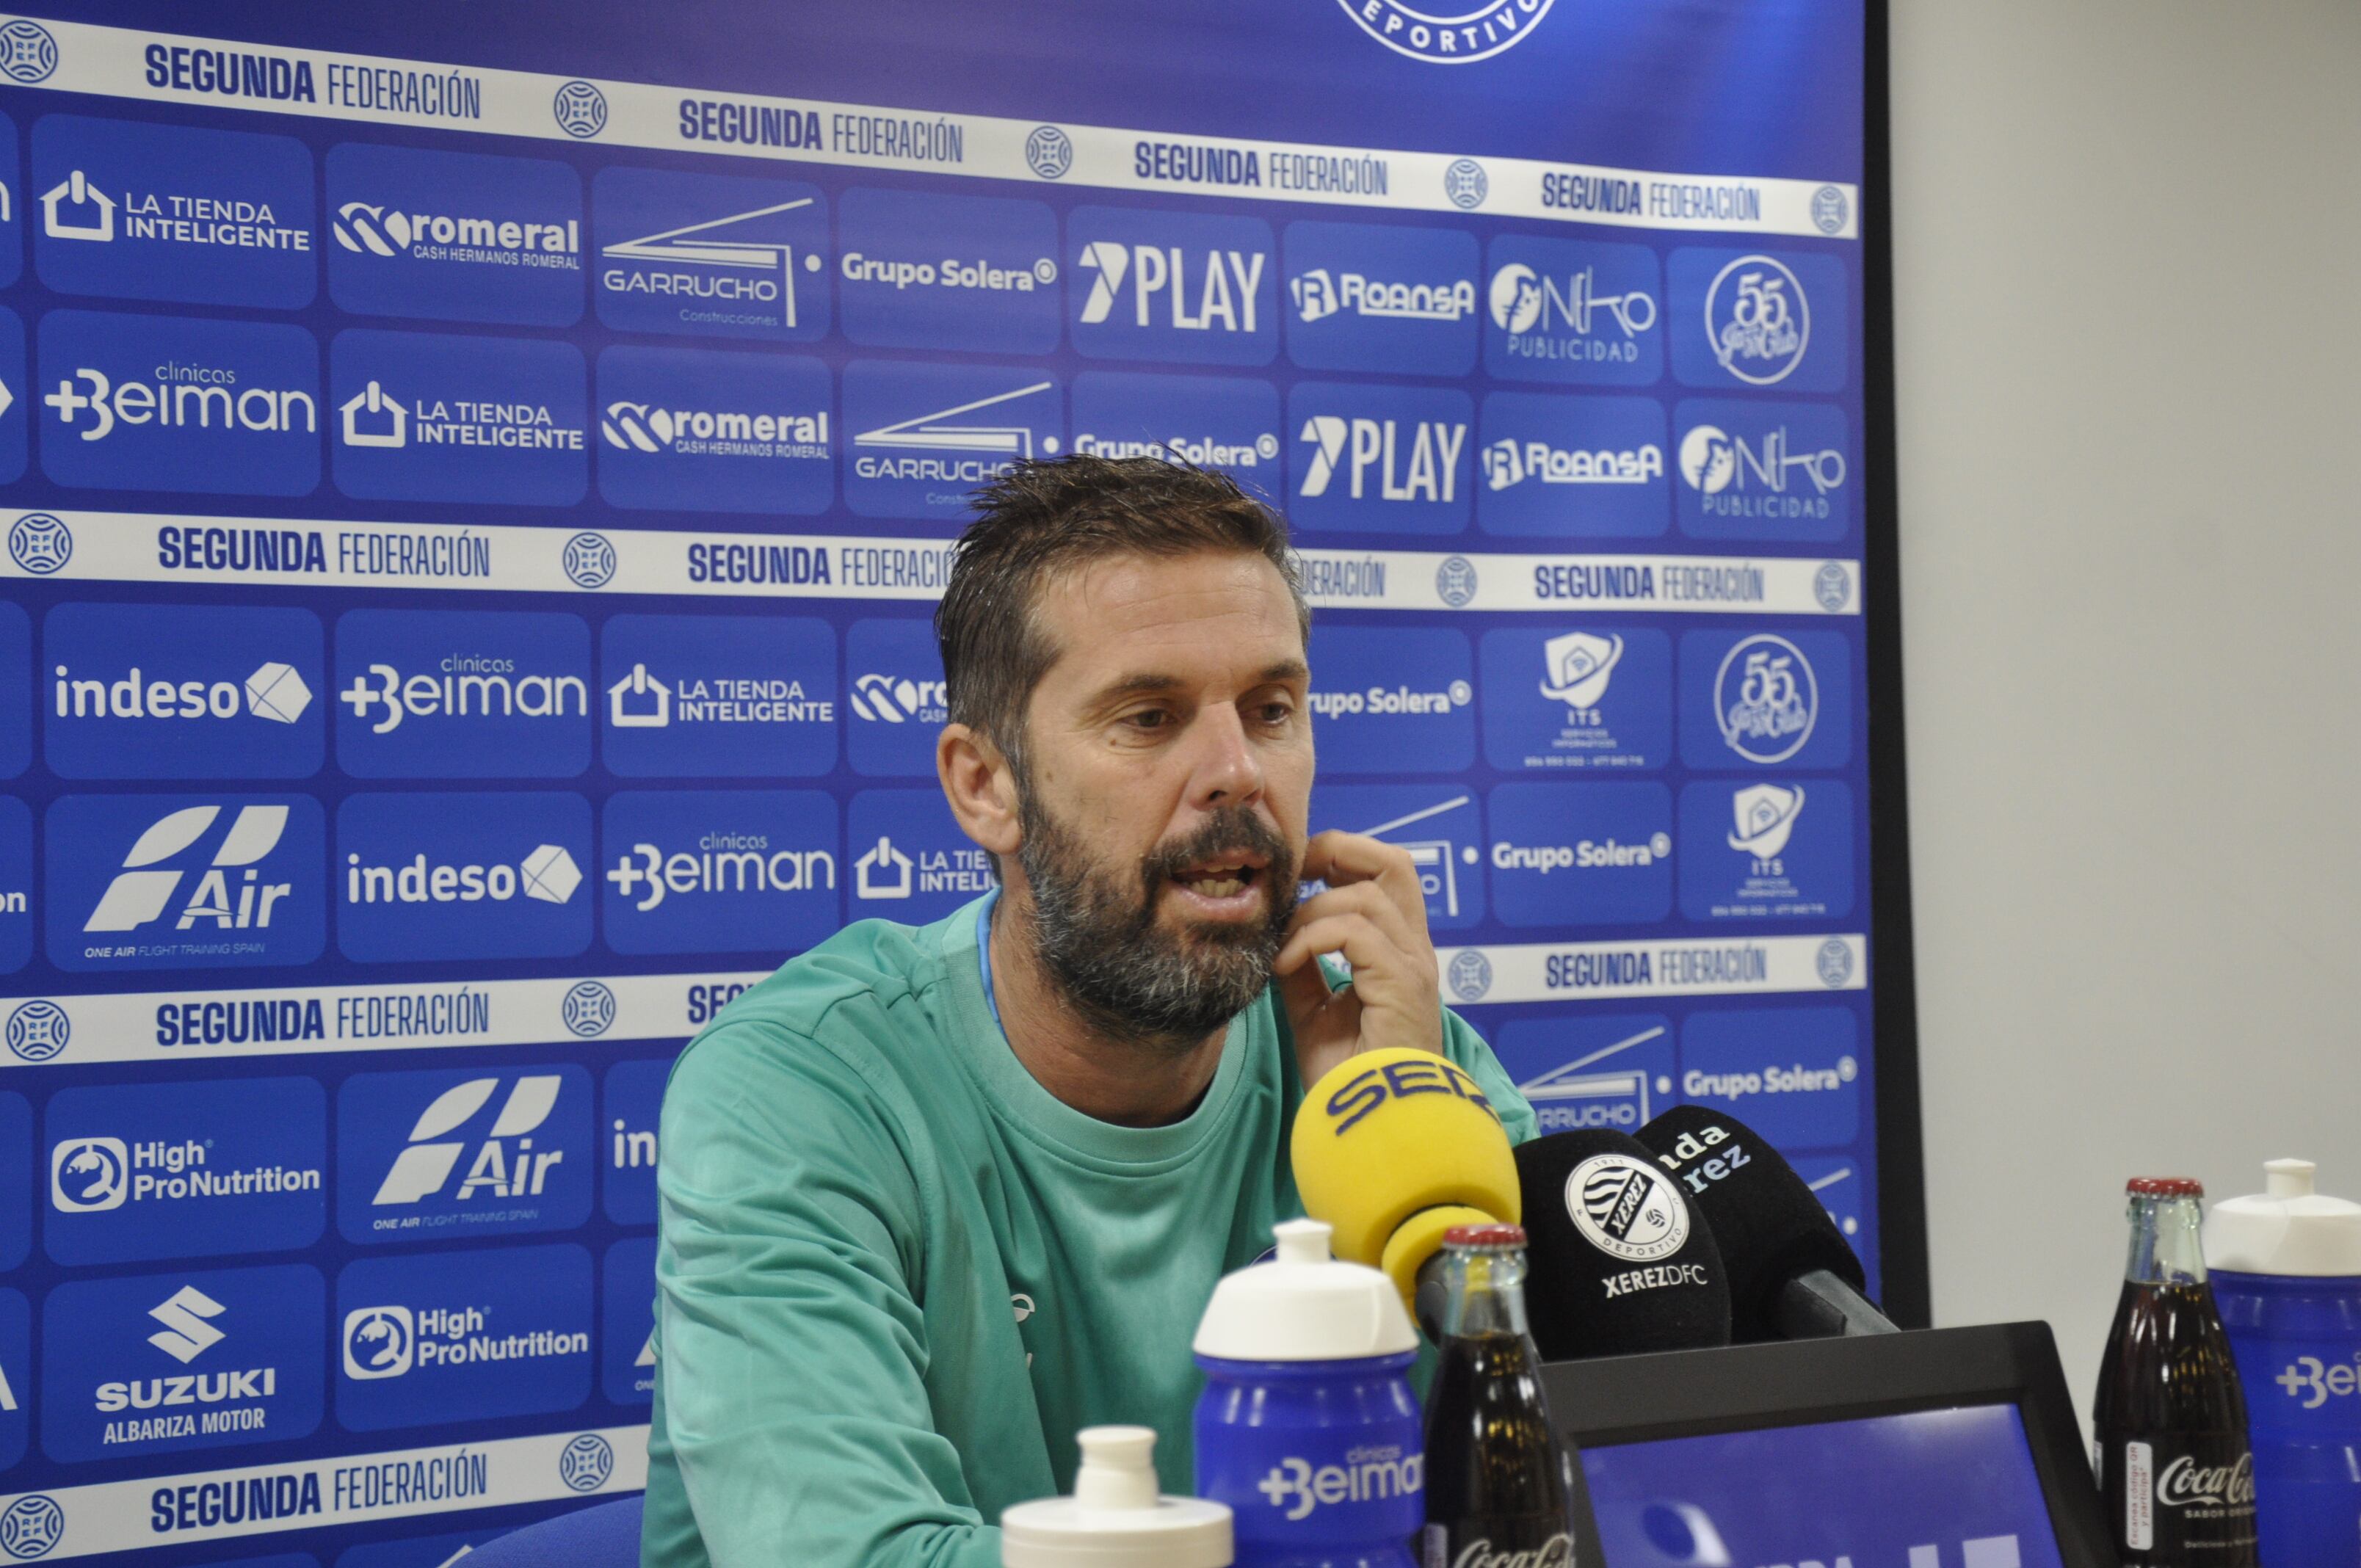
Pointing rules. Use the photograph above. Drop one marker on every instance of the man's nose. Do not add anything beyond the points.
(1226, 772)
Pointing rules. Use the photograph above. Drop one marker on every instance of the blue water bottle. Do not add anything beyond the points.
(2287, 1276)
(1308, 1429)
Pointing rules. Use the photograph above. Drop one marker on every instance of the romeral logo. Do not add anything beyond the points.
(173, 212)
(636, 427)
(1509, 463)
(715, 432)
(504, 1164)
(1318, 295)
(454, 235)
(369, 228)
(428, 876)
(155, 1363)
(1383, 459)
(898, 699)
(458, 1152)
(1766, 698)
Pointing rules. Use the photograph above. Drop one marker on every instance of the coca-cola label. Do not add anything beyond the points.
(1557, 1551)
(2139, 1520)
(2181, 1497)
(2185, 1483)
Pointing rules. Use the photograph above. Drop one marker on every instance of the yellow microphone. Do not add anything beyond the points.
(1393, 1148)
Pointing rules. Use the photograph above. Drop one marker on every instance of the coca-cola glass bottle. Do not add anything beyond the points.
(1499, 1483)
(2171, 1419)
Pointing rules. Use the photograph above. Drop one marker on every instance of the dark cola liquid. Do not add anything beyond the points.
(2173, 1462)
(1497, 1479)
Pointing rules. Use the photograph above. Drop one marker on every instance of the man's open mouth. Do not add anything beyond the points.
(1224, 876)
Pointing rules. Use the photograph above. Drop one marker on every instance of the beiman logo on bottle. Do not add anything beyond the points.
(1371, 1472)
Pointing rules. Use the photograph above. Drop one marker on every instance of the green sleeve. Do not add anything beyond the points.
(1464, 1046)
(793, 1353)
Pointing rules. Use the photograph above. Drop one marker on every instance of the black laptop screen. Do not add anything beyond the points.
(1946, 1488)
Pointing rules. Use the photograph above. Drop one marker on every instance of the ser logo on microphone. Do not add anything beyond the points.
(1626, 1209)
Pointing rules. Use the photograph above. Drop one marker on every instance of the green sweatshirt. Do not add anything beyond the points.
(896, 1275)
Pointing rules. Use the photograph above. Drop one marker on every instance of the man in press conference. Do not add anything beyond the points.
(935, 1197)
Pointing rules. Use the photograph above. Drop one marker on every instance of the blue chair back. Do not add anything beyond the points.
(605, 1536)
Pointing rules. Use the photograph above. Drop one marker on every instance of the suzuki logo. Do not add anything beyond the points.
(136, 895)
(421, 1169)
(380, 1342)
(185, 1334)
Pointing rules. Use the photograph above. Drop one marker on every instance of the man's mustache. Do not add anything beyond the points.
(1233, 829)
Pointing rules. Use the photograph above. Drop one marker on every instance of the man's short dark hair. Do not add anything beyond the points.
(1044, 518)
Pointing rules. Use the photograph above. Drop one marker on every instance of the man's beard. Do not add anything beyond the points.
(1131, 977)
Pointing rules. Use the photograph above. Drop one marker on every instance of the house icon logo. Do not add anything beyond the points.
(75, 191)
(638, 701)
(368, 404)
(883, 873)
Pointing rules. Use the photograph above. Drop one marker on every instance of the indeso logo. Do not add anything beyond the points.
(462, 876)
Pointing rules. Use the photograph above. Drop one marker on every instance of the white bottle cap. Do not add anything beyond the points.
(1115, 1519)
(2287, 1229)
(1304, 1306)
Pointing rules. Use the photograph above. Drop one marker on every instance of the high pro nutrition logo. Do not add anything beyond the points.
(454, 235)
(471, 1335)
(185, 882)
(425, 1155)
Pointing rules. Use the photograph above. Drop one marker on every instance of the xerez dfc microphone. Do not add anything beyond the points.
(1792, 1273)
(1620, 1263)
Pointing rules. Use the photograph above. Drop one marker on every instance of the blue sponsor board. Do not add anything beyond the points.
(710, 255)
(894, 697)
(193, 1359)
(417, 1550)
(1376, 459)
(1194, 288)
(706, 430)
(1588, 854)
(1381, 297)
(720, 870)
(15, 1180)
(173, 403)
(16, 1376)
(919, 436)
(158, 691)
(1763, 699)
(143, 211)
(428, 876)
(424, 694)
(921, 270)
(145, 882)
(138, 1171)
(628, 1371)
(16, 889)
(908, 859)
(463, 1153)
(1760, 470)
(16, 417)
(1757, 318)
(718, 695)
(1579, 311)
(1590, 1069)
(1792, 1074)
(459, 1336)
(15, 690)
(627, 1131)
(1215, 422)
(1767, 851)
(1568, 694)
(461, 237)
(1558, 467)
(1440, 824)
(1843, 1190)
(13, 209)
(423, 416)
(1382, 695)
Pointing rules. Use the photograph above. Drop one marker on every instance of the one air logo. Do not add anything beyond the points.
(230, 896)
(89, 1175)
(369, 230)
(1219, 284)
(505, 1164)
(1420, 463)
(380, 1342)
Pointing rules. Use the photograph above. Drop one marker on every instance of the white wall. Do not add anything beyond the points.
(2128, 306)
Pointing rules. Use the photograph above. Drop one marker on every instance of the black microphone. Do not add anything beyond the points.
(1620, 1263)
(1792, 1273)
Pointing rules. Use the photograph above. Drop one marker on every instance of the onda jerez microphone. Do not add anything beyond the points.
(1791, 1275)
(1620, 1262)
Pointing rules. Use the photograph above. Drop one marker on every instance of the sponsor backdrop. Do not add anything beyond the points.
(476, 490)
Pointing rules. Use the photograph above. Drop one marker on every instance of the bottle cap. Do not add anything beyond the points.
(1115, 1519)
(1304, 1306)
(1485, 1236)
(2164, 1187)
(2289, 1228)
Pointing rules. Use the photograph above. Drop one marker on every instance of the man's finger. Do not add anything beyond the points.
(1381, 972)
(1362, 898)
(1342, 859)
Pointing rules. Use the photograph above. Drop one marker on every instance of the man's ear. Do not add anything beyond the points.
(980, 787)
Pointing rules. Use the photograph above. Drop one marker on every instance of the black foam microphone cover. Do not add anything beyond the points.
(1771, 1224)
(1619, 1262)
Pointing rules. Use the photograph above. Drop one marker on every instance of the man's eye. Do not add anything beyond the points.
(1149, 719)
(1277, 712)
